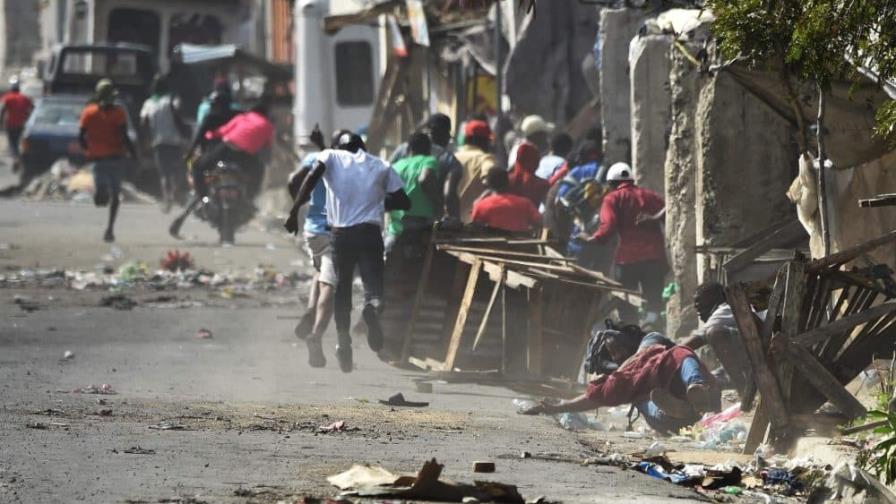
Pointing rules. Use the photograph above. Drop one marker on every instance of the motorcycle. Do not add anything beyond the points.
(227, 205)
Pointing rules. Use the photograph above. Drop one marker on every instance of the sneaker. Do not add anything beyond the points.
(671, 405)
(305, 326)
(109, 237)
(374, 330)
(316, 358)
(698, 396)
(344, 354)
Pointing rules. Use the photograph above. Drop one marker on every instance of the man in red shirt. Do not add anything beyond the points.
(634, 214)
(502, 210)
(16, 109)
(104, 137)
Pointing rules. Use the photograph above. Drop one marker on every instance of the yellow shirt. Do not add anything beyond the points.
(476, 163)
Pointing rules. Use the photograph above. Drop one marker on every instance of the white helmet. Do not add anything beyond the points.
(619, 172)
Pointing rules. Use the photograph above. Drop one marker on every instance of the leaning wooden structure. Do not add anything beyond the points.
(506, 305)
(825, 324)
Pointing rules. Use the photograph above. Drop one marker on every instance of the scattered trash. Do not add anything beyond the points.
(118, 302)
(523, 404)
(579, 421)
(483, 467)
(138, 450)
(168, 425)
(104, 412)
(203, 333)
(26, 304)
(848, 483)
(36, 425)
(399, 400)
(374, 482)
(724, 416)
(338, 426)
(175, 260)
(633, 435)
(655, 449)
(104, 389)
(68, 355)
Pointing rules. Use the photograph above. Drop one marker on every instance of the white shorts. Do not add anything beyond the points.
(318, 247)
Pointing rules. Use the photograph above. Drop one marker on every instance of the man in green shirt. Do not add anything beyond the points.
(420, 174)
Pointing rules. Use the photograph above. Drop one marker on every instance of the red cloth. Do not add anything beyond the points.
(618, 212)
(558, 175)
(249, 132)
(506, 211)
(18, 108)
(651, 368)
(523, 181)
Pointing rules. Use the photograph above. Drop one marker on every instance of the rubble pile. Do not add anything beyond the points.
(138, 275)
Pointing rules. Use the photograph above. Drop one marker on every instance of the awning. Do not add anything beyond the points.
(192, 54)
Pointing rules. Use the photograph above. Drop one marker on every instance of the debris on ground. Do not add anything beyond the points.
(118, 302)
(104, 389)
(204, 333)
(175, 260)
(337, 426)
(68, 355)
(399, 400)
(376, 482)
(483, 467)
(168, 425)
(36, 425)
(26, 304)
(579, 421)
(137, 450)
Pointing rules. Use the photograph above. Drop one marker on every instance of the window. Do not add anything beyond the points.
(354, 74)
(137, 26)
(58, 114)
(103, 64)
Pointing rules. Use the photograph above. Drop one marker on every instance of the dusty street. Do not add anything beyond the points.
(244, 405)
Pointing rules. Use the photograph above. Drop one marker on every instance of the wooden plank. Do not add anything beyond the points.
(488, 312)
(503, 328)
(535, 347)
(791, 317)
(806, 363)
(418, 296)
(765, 380)
(758, 429)
(466, 301)
(513, 279)
(851, 253)
(780, 236)
(822, 333)
(507, 253)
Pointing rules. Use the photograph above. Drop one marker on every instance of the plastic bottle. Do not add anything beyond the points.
(523, 404)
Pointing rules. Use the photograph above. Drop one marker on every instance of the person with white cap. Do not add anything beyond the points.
(535, 131)
(634, 213)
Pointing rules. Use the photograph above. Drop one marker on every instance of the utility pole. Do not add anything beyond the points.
(822, 176)
(499, 85)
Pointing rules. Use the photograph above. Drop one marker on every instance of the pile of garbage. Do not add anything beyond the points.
(69, 182)
(138, 274)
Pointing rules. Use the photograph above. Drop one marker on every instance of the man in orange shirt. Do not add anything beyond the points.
(104, 137)
(16, 109)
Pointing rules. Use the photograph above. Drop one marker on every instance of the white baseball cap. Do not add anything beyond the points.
(619, 172)
(535, 124)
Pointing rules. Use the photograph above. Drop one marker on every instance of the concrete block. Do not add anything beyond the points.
(651, 108)
(617, 28)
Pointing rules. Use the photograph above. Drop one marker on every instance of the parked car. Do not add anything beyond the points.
(52, 132)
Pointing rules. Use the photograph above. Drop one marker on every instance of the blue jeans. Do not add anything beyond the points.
(688, 374)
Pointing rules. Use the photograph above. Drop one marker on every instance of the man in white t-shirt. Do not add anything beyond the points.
(360, 188)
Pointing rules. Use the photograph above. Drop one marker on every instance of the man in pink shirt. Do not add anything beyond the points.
(242, 139)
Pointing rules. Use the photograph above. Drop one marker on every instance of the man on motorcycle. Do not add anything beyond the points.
(242, 139)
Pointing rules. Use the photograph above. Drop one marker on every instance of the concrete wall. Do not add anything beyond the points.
(651, 120)
(21, 35)
(680, 174)
(617, 28)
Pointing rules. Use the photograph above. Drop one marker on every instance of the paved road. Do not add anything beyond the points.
(248, 404)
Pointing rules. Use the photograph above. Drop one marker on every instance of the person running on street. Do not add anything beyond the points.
(104, 137)
(16, 110)
(634, 213)
(359, 187)
(523, 181)
(316, 233)
(168, 132)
